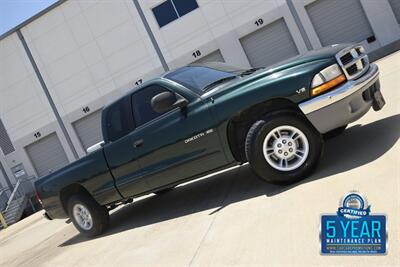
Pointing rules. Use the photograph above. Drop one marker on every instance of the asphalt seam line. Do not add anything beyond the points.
(213, 219)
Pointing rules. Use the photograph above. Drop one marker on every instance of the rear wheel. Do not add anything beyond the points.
(87, 215)
(283, 147)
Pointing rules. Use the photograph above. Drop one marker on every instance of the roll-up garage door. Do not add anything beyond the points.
(338, 21)
(88, 129)
(395, 4)
(215, 56)
(47, 155)
(269, 45)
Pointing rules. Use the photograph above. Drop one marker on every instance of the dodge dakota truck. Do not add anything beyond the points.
(199, 119)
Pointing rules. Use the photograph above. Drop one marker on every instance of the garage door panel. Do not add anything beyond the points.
(395, 4)
(47, 155)
(269, 45)
(215, 56)
(337, 21)
(88, 129)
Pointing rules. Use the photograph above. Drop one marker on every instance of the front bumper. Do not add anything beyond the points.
(344, 105)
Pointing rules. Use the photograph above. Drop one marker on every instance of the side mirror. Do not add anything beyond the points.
(167, 101)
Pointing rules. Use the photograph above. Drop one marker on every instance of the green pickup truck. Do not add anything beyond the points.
(200, 119)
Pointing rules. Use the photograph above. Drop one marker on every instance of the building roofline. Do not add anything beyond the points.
(29, 20)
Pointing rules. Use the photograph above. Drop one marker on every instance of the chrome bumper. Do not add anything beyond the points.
(342, 105)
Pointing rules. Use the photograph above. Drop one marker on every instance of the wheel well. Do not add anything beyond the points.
(240, 124)
(69, 191)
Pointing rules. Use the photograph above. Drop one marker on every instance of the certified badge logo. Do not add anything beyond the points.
(354, 206)
(353, 229)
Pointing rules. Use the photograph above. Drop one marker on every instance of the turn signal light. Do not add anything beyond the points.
(328, 85)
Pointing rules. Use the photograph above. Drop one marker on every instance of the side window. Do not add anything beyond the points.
(165, 13)
(141, 104)
(119, 119)
(171, 10)
(185, 6)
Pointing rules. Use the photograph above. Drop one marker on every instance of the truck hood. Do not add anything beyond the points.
(324, 53)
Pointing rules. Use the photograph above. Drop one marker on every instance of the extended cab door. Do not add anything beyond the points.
(175, 145)
(119, 152)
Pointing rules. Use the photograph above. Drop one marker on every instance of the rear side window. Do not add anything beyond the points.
(119, 120)
(141, 104)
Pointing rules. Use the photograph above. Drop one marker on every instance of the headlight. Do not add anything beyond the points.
(327, 79)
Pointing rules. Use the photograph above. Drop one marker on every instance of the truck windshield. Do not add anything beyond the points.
(199, 78)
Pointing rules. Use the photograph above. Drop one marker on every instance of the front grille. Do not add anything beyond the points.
(346, 58)
(353, 61)
(352, 69)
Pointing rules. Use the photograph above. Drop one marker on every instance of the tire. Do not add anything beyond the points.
(270, 167)
(98, 215)
(335, 132)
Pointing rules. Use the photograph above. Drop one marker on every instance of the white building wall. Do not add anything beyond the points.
(89, 53)
(23, 106)
(86, 50)
(216, 25)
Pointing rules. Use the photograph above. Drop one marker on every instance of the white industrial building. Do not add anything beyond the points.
(85, 54)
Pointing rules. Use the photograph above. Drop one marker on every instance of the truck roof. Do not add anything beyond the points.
(161, 77)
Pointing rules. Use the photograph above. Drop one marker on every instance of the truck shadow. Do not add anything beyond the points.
(357, 146)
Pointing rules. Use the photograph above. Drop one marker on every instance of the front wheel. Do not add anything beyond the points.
(87, 215)
(283, 147)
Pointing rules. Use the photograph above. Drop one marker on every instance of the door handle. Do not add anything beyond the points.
(138, 143)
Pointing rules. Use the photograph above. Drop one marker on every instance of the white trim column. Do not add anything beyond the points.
(382, 20)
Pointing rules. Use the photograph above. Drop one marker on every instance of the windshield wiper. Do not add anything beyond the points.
(217, 82)
(249, 71)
